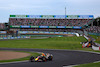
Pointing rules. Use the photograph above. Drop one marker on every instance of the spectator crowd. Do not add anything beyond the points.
(48, 22)
(94, 29)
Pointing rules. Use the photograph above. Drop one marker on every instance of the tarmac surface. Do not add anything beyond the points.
(60, 58)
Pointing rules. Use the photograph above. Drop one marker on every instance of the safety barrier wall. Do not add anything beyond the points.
(15, 37)
(26, 32)
(44, 35)
(98, 34)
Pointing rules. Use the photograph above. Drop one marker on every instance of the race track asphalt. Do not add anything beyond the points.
(61, 58)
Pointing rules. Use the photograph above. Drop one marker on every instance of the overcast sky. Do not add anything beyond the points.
(48, 7)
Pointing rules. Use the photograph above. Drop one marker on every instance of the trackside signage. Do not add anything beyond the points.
(74, 27)
(24, 32)
(34, 26)
(69, 26)
(54, 16)
(52, 26)
(43, 27)
(77, 27)
(61, 27)
(25, 26)
(15, 26)
(3, 32)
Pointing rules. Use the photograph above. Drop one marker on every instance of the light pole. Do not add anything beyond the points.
(65, 12)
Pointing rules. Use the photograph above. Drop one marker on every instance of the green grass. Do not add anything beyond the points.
(21, 59)
(89, 65)
(96, 37)
(49, 43)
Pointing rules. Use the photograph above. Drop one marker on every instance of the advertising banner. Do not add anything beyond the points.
(19, 31)
(12, 15)
(33, 16)
(77, 27)
(43, 26)
(20, 16)
(69, 26)
(5, 38)
(53, 16)
(69, 32)
(65, 33)
(72, 17)
(3, 32)
(51, 32)
(59, 16)
(61, 32)
(30, 31)
(46, 32)
(1, 38)
(24, 32)
(11, 37)
(25, 26)
(18, 37)
(56, 32)
(8, 38)
(15, 37)
(74, 27)
(61, 27)
(52, 27)
(34, 26)
(35, 32)
(41, 32)
(47, 16)
(15, 26)
(85, 16)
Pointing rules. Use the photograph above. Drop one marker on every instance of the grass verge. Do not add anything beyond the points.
(49, 43)
(89, 65)
(97, 38)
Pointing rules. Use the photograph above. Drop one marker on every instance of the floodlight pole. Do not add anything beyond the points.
(65, 12)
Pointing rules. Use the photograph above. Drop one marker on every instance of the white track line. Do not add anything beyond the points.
(70, 66)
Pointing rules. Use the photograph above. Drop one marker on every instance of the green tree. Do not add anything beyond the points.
(97, 22)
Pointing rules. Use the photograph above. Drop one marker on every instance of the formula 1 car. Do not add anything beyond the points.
(42, 58)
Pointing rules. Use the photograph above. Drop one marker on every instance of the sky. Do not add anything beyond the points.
(48, 7)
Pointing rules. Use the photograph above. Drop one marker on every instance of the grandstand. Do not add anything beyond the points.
(49, 23)
(94, 29)
(2, 26)
(2, 30)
